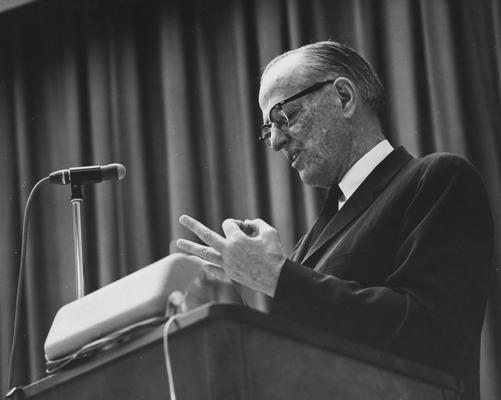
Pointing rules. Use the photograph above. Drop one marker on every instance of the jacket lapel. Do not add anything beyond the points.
(366, 193)
(301, 247)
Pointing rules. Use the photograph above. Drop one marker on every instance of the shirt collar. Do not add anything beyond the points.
(362, 168)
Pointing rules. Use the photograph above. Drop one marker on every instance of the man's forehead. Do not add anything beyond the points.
(281, 79)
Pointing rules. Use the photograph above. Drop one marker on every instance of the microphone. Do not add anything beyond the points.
(89, 174)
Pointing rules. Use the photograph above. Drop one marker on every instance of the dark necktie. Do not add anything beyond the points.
(329, 209)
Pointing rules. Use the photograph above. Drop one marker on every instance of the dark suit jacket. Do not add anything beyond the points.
(403, 266)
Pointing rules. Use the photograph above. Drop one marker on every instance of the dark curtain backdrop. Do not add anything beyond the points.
(169, 89)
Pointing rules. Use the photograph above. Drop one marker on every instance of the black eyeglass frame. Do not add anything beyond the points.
(266, 128)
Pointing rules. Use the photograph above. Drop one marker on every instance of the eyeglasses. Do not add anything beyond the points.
(278, 117)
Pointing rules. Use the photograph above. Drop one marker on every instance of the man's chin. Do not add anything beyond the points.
(307, 179)
(311, 179)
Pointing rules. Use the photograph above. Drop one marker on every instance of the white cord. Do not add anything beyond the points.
(20, 285)
(168, 364)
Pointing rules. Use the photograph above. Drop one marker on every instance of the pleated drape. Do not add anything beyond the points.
(169, 88)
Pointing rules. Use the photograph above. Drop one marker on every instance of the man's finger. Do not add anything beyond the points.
(208, 236)
(205, 264)
(211, 268)
(215, 270)
(256, 226)
(244, 227)
(204, 252)
(233, 227)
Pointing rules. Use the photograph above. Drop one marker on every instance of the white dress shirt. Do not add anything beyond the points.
(361, 170)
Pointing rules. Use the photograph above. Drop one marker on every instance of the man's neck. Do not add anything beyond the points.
(362, 168)
(367, 134)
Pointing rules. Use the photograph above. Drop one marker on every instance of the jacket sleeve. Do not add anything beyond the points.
(436, 290)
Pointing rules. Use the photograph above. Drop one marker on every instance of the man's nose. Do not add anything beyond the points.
(278, 138)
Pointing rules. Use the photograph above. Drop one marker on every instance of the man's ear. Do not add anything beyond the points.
(347, 94)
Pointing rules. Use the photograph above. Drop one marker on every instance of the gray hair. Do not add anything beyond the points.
(330, 60)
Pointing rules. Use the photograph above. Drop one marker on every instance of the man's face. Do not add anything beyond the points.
(318, 141)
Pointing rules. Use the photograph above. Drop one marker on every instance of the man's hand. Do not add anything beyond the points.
(250, 253)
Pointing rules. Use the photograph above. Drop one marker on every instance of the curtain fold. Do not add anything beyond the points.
(169, 89)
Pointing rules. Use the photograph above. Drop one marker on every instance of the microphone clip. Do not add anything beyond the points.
(76, 192)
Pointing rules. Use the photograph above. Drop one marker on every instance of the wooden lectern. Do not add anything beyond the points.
(224, 351)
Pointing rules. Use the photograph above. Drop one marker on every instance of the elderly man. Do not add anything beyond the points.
(399, 256)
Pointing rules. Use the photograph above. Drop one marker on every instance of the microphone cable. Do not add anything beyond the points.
(20, 282)
(168, 362)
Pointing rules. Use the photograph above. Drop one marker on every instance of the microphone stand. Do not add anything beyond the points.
(76, 202)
